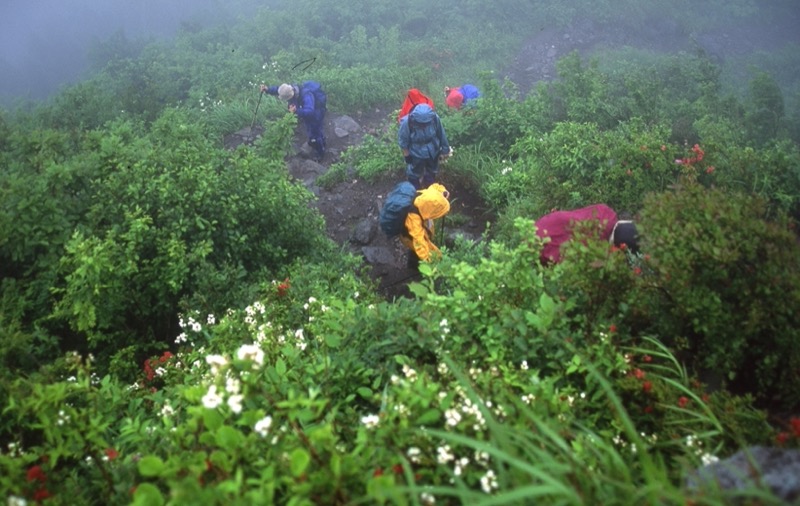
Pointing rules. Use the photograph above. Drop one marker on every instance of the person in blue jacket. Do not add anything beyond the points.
(456, 98)
(309, 103)
(423, 141)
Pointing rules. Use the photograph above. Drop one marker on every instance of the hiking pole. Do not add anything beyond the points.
(261, 94)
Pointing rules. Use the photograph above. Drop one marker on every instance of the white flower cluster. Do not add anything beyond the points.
(370, 421)
(489, 482)
(444, 328)
(262, 426)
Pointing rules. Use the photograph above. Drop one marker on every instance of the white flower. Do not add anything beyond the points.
(16, 501)
(232, 385)
(444, 455)
(708, 459)
(167, 410)
(235, 403)
(409, 372)
(181, 338)
(212, 400)
(524, 365)
(489, 482)
(251, 352)
(413, 454)
(263, 425)
(453, 417)
(370, 421)
(427, 498)
(211, 320)
(216, 362)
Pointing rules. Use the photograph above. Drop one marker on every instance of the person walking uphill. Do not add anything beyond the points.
(309, 102)
(431, 203)
(408, 214)
(422, 140)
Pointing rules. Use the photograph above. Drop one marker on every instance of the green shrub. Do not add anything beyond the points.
(717, 267)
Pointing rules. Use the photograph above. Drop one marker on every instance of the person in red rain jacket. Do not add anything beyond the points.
(414, 97)
(558, 227)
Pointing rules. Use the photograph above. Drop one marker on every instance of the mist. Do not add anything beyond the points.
(44, 43)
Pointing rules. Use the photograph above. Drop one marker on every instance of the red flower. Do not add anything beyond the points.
(166, 356)
(397, 469)
(378, 472)
(710, 169)
(648, 409)
(111, 453)
(647, 358)
(149, 373)
(612, 328)
(647, 386)
(683, 402)
(284, 287)
(637, 270)
(41, 494)
(638, 373)
(781, 438)
(795, 423)
(36, 473)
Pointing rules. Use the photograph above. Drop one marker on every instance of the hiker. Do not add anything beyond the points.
(309, 103)
(414, 97)
(423, 141)
(558, 227)
(430, 204)
(456, 98)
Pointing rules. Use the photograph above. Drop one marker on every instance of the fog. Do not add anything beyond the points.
(44, 43)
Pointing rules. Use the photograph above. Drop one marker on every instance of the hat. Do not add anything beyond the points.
(285, 92)
(454, 99)
(625, 233)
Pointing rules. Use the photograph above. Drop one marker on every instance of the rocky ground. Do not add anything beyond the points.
(351, 208)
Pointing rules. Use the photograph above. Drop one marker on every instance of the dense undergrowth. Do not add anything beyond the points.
(175, 327)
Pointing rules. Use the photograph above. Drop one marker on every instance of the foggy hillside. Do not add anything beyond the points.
(45, 44)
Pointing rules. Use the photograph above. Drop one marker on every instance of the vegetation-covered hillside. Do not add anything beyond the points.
(176, 328)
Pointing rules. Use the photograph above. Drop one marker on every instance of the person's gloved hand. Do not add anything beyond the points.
(408, 159)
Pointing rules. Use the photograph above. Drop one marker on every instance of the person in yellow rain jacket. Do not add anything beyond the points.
(431, 203)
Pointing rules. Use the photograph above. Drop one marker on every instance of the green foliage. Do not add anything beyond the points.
(376, 156)
(714, 282)
(765, 117)
(156, 218)
(251, 362)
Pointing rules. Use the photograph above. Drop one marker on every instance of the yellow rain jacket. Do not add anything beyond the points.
(432, 204)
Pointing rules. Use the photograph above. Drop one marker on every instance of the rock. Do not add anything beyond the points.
(344, 126)
(363, 232)
(377, 255)
(774, 469)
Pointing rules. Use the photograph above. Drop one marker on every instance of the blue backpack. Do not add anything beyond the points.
(399, 203)
(320, 97)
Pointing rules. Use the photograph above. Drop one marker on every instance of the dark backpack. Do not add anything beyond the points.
(399, 203)
(320, 98)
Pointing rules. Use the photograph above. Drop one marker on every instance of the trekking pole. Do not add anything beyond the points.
(261, 94)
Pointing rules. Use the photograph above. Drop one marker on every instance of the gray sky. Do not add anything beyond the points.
(43, 43)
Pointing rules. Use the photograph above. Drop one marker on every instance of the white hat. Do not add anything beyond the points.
(285, 92)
